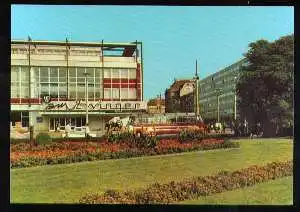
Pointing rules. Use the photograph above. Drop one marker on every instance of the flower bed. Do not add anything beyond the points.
(194, 187)
(26, 155)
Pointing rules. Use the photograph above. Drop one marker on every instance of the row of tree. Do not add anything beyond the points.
(266, 85)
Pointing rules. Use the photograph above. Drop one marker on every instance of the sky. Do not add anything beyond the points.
(173, 37)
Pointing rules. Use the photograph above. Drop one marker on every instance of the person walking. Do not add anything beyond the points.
(68, 130)
(87, 131)
(245, 131)
(57, 127)
(224, 126)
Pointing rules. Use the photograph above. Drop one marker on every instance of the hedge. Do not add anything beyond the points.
(127, 153)
(194, 187)
(104, 138)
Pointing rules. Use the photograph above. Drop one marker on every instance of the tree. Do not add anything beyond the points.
(266, 84)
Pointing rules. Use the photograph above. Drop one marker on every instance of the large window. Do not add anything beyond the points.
(72, 90)
(19, 82)
(132, 73)
(124, 73)
(18, 116)
(107, 73)
(107, 93)
(63, 121)
(132, 93)
(115, 93)
(15, 82)
(124, 93)
(115, 73)
(80, 91)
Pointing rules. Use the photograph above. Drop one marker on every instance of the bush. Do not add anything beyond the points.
(43, 138)
(195, 187)
(120, 137)
(188, 135)
(145, 141)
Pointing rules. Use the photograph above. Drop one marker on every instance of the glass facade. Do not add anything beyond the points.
(225, 81)
(61, 83)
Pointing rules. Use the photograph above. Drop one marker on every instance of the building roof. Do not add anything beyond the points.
(177, 84)
(127, 48)
(75, 43)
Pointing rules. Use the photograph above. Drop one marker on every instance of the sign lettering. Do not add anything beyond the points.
(79, 105)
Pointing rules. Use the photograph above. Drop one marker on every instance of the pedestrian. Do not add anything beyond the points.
(57, 126)
(224, 126)
(87, 131)
(67, 130)
(245, 127)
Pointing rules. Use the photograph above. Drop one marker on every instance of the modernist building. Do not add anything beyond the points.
(219, 90)
(48, 83)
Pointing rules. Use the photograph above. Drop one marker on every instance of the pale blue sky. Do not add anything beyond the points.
(173, 37)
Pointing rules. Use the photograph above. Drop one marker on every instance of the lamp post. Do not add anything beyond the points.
(218, 91)
(196, 93)
(86, 102)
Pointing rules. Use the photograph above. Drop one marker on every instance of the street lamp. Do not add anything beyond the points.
(86, 103)
(196, 93)
(218, 91)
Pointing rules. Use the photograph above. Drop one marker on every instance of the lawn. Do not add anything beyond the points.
(275, 192)
(66, 183)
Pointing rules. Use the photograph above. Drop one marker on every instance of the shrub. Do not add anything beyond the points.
(195, 186)
(43, 138)
(120, 137)
(146, 141)
(187, 135)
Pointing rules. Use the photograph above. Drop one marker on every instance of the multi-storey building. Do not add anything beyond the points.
(219, 89)
(179, 97)
(50, 81)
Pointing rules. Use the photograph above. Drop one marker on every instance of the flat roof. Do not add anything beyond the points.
(127, 48)
(75, 43)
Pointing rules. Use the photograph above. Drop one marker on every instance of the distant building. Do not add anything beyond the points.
(156, 105)
(180, 96)
(222, 84)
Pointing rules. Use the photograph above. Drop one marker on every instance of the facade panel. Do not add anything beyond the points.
(220, 85)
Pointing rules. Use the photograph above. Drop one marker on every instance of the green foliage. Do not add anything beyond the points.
(147, 141)
(144, 141)
(120, 137)
(196, 186)
(265, 86)
(187, 135)
(43, 138)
